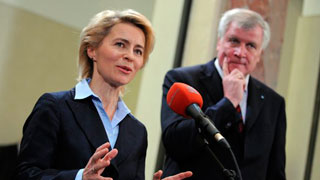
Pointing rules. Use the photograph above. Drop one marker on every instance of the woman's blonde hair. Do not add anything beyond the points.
(100, 26)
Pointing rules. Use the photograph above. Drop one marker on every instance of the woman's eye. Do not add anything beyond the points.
(139, 52)
(119, 44)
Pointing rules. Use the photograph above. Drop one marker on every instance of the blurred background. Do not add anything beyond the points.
(39, 46)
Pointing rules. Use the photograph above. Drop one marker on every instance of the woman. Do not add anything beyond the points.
(88, 132)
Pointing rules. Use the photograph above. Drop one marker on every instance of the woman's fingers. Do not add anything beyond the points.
(99, 154)
(110, 155)
(157, 175)
(103, 146)
(180, 176)
(106, 160)
(98, 162)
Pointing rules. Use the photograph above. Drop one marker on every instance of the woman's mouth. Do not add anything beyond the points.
(125, 69)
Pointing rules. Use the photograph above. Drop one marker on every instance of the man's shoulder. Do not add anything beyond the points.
(187, 68)
(184, 74)
(193, 69)
(266, 89)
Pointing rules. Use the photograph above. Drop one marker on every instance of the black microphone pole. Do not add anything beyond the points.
(207, 128)
(206, 125)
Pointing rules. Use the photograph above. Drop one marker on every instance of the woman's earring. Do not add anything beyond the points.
(93, 59)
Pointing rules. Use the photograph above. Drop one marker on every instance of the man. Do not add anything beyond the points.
(250, 115)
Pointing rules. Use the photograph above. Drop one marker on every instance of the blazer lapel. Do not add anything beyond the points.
(125, 140)
(85, 113)
(254, 103)
(213, 90)
(89, 121)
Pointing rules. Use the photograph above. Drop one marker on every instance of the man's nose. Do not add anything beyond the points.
(241, 51)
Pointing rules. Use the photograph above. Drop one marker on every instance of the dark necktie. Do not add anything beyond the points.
(240, 124)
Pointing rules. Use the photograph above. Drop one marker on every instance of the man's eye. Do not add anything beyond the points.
(251, 45)
(234, 40)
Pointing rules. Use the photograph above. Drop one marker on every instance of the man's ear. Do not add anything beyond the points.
(218, 44)
(261, 54)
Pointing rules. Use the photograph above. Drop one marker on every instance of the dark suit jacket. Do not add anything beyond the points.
(260, 149)
(61, 134)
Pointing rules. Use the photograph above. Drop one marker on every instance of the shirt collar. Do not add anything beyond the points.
(217, 65)
(83, 91)
(122, 109)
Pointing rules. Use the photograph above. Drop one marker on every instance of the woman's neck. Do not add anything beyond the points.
(108, 94)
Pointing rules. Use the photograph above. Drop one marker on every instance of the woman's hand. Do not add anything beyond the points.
(98, 162)
(183, 175)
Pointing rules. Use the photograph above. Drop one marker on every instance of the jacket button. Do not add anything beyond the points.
(228, 125)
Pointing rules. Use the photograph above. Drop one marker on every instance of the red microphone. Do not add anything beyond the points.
(187, 102)
(181, 96)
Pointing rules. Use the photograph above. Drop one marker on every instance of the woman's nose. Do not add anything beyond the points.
(128, 55)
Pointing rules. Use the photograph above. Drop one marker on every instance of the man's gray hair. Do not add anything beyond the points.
(246, 19)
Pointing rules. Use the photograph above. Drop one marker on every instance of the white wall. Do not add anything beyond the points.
(298, 78)
(76, 13)
(36, 56)
(200, 46)
(301, 94)
(166, 21)
(311, 8)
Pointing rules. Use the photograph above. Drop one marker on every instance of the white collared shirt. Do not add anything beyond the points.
(83, 90)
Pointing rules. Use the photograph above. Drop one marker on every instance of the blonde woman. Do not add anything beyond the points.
(88, 132)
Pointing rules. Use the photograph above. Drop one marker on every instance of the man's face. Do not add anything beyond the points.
(242, 48)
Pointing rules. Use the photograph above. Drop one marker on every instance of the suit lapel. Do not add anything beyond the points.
(125, 140)
(213, 90)
(255, 103)
(85, 113)
(89, 121)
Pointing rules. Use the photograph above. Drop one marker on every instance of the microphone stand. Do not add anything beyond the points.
(204, 123)
(235, 163)
(229, 173)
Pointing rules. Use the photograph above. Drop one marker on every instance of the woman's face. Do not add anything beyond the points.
(119, 56)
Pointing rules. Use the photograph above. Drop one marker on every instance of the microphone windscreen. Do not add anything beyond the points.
(180, 96)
